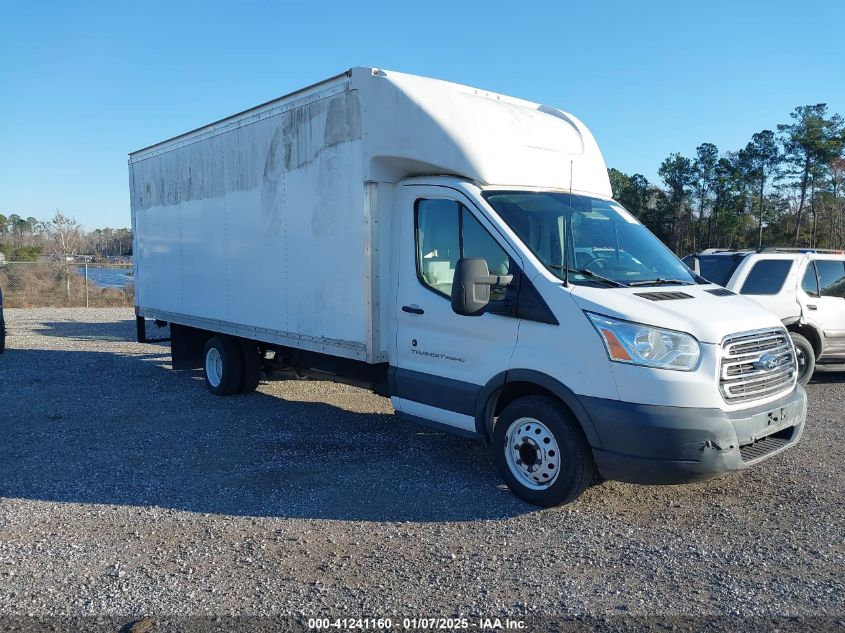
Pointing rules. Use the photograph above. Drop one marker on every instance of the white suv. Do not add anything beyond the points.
(805, 288)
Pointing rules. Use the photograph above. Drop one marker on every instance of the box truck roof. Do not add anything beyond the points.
(416, 126)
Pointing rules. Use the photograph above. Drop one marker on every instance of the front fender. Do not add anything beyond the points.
(489, 394)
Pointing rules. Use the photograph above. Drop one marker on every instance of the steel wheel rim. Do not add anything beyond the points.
(532, 453)
(214, 366)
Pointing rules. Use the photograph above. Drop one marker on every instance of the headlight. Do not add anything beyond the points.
(639, 344)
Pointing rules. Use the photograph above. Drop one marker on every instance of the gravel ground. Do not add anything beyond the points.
(127, 489)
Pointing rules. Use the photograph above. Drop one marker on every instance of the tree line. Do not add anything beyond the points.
(30, 239)
(784, 188)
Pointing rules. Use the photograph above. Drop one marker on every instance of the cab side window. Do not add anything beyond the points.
(447, 231)
(810, 282)
(767, 277)
(438, 243)
(831, 277)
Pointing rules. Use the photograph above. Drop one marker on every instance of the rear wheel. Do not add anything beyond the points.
(806, 357)
(251, 359)
(2, 331)
(541, 452)
(223, 365)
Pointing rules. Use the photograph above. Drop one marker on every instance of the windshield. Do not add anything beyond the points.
(606, 245)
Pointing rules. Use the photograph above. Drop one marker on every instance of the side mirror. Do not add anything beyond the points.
(471, 286)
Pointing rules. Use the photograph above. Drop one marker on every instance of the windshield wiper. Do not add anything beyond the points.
(590, 274)
(660, 282)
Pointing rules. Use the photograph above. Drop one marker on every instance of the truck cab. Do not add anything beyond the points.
(539, 318)
(804, 288)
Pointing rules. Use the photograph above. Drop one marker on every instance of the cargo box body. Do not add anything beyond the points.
(258, 225)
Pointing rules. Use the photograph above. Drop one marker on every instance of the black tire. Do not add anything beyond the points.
(806, 357)
(251, 360)
(2, 332)
(223, 378)
(575, 466)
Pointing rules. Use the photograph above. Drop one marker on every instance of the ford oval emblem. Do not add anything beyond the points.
(767, 361)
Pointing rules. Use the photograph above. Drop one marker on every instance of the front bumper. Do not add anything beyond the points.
(650, 444)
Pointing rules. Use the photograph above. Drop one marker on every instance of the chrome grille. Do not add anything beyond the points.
(745, 373)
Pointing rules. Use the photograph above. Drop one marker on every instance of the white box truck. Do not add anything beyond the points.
(458, 251)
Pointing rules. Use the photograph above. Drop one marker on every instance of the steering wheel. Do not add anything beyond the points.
(589, 261)
(597, 262)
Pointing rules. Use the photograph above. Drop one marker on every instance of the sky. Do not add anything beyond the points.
(84, 83)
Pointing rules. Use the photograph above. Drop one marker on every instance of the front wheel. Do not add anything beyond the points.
(805, 356)
(541, 452)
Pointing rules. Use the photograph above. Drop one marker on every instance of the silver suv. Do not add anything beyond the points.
(805, 288)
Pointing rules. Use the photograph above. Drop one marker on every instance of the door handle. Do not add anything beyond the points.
(413, 309)
(811, 306)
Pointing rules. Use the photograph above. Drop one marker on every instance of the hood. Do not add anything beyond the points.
(708, 317)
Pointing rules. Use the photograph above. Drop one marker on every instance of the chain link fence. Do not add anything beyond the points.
(66, 285)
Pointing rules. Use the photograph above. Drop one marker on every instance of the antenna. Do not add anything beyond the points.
(566, 241)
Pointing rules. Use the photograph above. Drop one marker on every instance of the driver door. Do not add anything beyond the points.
(443, 360)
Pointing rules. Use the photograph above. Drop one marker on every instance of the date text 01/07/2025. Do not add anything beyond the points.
(417, 624)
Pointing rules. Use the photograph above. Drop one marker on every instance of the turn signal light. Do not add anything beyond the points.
(616, 349)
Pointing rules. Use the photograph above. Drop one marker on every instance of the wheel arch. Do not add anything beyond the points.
(507, 386)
